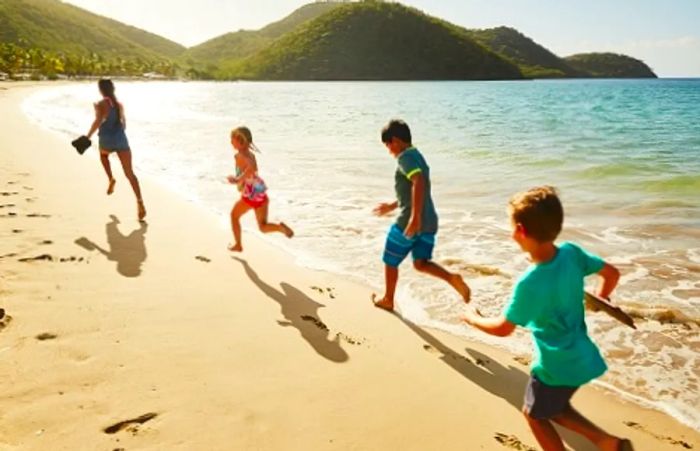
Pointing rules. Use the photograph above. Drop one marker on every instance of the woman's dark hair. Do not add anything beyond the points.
(107, 90)
(396, 128)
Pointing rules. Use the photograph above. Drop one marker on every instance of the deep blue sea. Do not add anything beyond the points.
(624, 154)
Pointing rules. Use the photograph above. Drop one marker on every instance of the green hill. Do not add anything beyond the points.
(51, 37)
(534, 60)
(55, 26)
(243, 43)
(331, 40)
(374, 41)
(610, 65)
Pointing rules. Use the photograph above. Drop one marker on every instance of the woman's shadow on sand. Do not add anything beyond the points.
(301, 312)
(129, 251)
(506, 383)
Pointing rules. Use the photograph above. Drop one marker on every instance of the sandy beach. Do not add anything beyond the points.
(126, 336)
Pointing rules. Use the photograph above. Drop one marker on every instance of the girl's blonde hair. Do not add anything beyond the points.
(244, 134)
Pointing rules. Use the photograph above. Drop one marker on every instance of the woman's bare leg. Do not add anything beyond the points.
(104, 158)
(125, 159)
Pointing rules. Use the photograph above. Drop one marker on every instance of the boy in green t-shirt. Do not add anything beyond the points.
(548, 300)
(417, 223)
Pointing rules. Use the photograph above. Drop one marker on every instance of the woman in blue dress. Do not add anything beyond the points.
(111, 122)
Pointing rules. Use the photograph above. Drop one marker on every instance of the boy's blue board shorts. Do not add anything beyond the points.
(544, 401)
(397, 246)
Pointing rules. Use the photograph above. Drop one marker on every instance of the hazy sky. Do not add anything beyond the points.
(663, 33)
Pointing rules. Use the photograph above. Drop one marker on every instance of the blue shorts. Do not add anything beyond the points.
(544, 401)
(398, 246)
(114, 142)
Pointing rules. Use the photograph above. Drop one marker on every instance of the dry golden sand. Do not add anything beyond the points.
(119, 335)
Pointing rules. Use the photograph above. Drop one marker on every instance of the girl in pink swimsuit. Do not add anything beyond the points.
(252, 188)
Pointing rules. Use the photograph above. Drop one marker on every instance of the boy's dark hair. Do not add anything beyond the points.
(396, 128)
(540, 212)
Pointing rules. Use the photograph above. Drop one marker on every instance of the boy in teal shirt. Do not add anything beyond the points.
(548, 300)
(417, 223)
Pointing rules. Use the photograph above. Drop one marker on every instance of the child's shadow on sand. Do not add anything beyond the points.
(301, 312)
(129, 251)
(506, 383)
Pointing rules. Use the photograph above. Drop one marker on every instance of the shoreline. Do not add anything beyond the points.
(349, 331)
(418, 302)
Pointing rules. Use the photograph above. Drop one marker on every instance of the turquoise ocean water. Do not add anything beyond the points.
(625, 156)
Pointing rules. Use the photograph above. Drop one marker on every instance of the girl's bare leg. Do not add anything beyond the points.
(238, 210)
(266, 227)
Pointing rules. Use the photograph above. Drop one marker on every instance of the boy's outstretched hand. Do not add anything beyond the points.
(384, 208)
(231, 179)
(411, 230)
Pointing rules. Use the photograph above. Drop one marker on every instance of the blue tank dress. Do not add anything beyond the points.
(112, 136)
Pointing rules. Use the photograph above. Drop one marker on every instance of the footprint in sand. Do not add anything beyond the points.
(339, 335)
(663, 438)
(10, 255)
(46, 242)
(38, 215)
(46, 336)
(349, 340)
(7, 206)
(8, 193)
(483, 362)
(512, 442)
(452, 355)
(430, 349)
(5, 320)
(317, 322)
(131, 425)
(72, 258)
(202, 258)
(45, 257)
(523, 360)
(321, 290)
(17, 230)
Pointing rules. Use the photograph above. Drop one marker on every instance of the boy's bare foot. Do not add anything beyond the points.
(235, 247)
(611, 443)
(288, 232)
(110, 187)
(141, 210)
(616, 444)
(624, 445)
(383, 303)
(462, 288)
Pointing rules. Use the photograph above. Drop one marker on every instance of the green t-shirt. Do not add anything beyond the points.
(548, 300)
(409, 163)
